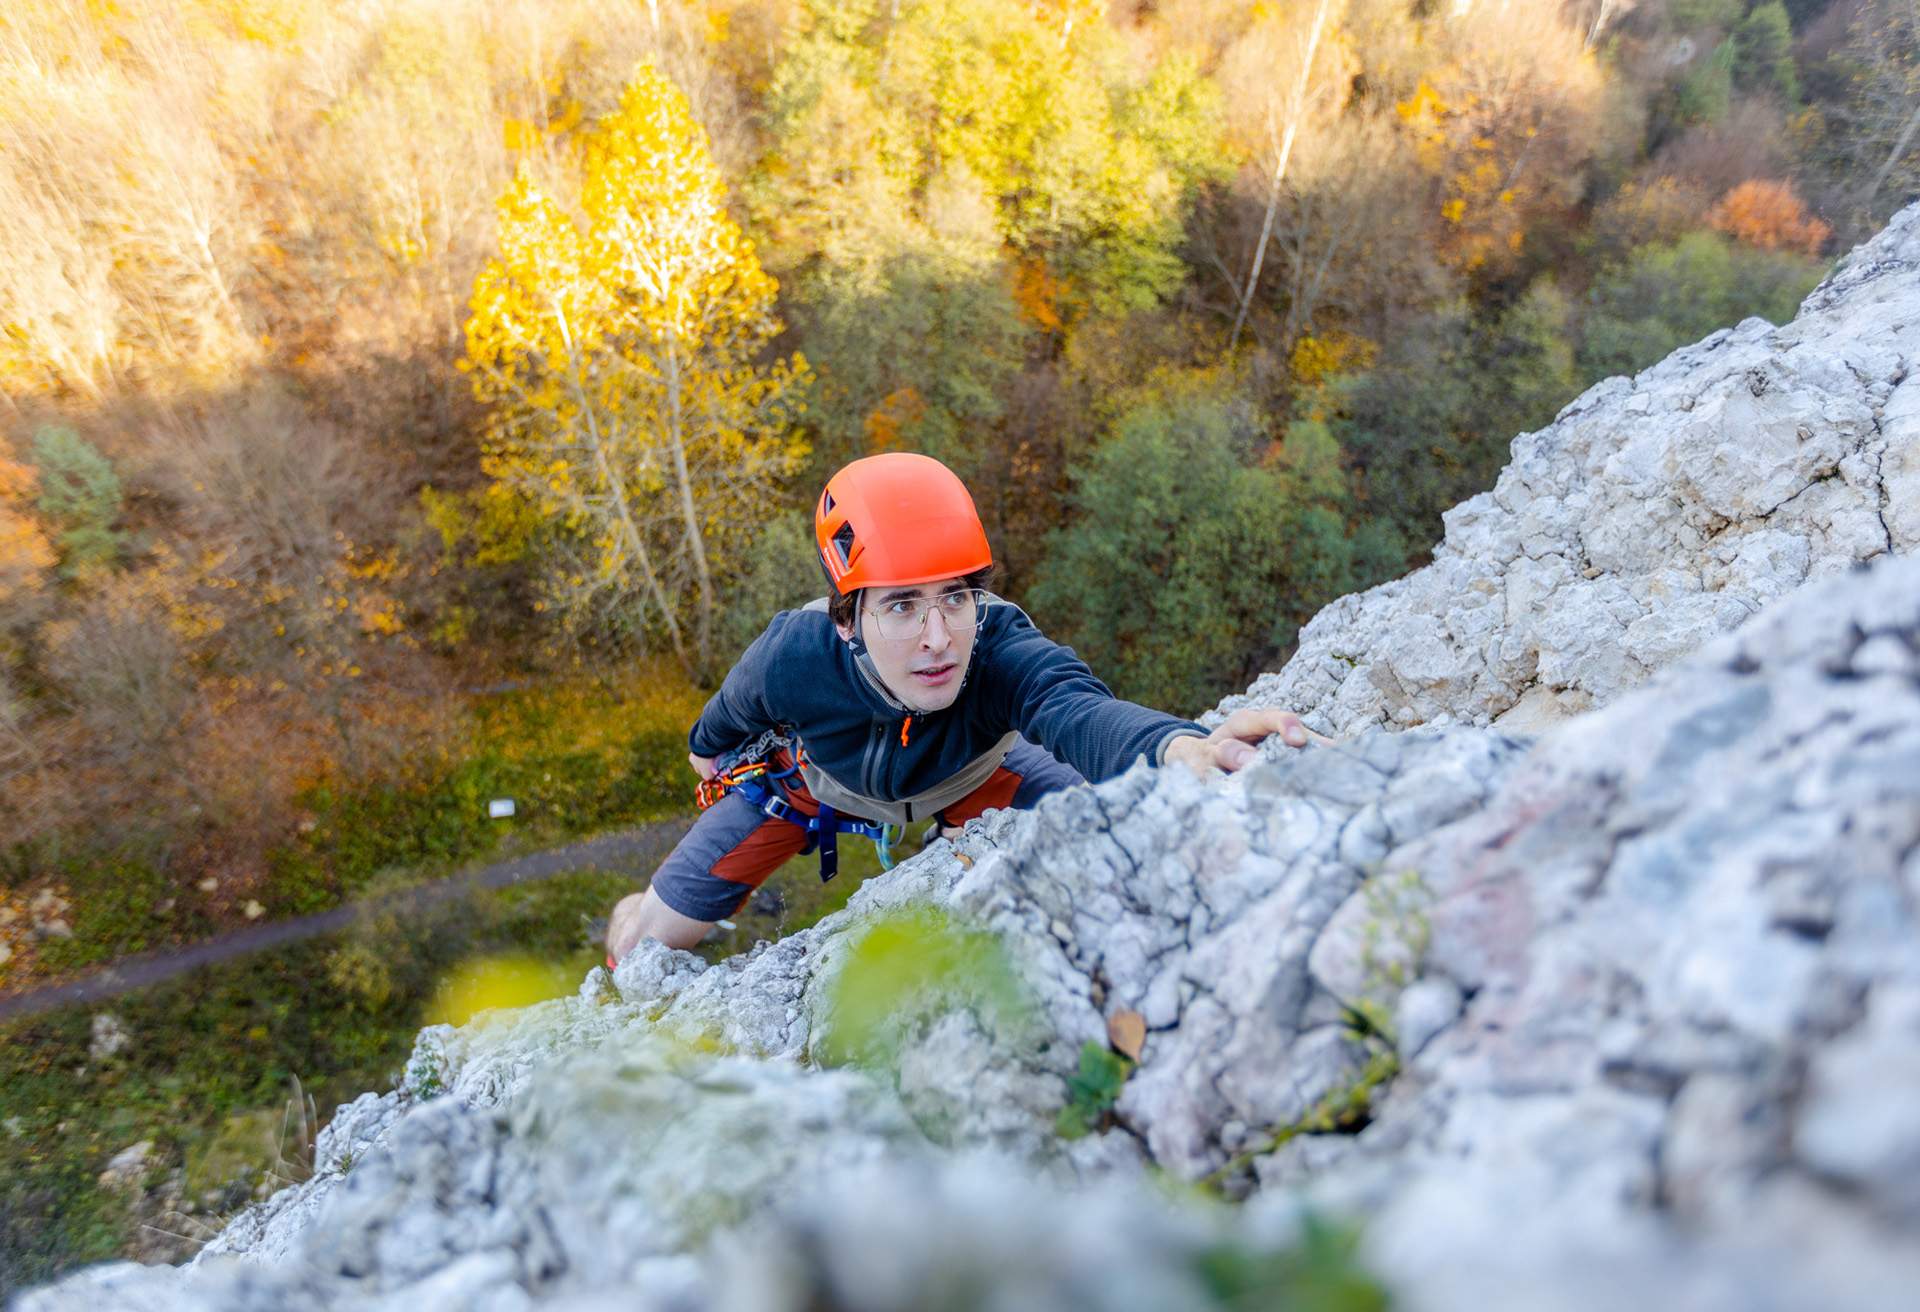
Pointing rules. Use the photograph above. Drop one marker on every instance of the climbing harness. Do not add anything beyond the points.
(749, 772)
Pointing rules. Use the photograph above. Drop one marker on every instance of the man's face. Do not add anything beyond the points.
(924, 670)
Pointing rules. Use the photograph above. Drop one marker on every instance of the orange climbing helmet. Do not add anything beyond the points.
(897, 519)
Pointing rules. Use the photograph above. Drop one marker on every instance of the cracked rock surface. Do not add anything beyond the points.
(1685, 934)
(1638, 1002)
(1654, 985)
(1652, 515)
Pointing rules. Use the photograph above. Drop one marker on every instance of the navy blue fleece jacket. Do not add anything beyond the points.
(800, 676)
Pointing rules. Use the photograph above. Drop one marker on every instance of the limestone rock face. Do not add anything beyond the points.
(1625, 1015)
(1653, 514)
(1687, 939)
(1653, 988)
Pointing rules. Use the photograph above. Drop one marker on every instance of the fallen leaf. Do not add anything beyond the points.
(1127, 1031)
(966, 862)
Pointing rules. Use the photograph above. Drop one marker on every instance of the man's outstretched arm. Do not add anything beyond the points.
(1051, 696)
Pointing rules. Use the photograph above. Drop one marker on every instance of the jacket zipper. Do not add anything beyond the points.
(870, 763)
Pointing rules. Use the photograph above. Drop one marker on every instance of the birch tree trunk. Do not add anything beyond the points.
(1894, 156)
(1296, 110)
(607, 466)
(690, 516)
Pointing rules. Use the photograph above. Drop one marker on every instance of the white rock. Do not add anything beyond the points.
(1796, 453)
(109, 1036)
(1666, 960)
(126, 1167)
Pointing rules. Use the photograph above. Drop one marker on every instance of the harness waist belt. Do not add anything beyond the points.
(970, 776)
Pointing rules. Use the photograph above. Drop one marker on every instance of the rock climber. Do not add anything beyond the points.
(909, 692)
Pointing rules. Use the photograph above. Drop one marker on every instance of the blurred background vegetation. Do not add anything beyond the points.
(409, 402)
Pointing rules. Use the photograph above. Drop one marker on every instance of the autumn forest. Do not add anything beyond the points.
(406, 403)
(356, 348)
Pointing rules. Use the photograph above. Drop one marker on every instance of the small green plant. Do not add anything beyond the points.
(1367, 1019)
(909, 966)
(425, 1082)
(80, 492)
(1345, 1110)
(1092, 1091)
(1397, 933)
(1321, 1273)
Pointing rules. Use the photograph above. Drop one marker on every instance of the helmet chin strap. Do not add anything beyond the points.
(863, 658)
(855, 639)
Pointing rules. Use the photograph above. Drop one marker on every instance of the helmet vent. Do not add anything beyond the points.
(826, 502)
(843, 545)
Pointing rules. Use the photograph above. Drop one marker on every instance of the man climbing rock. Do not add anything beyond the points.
(909, 692)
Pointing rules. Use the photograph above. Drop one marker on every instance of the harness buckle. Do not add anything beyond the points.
(748, 772)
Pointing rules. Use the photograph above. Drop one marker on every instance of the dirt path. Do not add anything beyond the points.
(628, 851)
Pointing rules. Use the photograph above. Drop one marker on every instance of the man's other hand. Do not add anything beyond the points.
(702, 765)
(1230, 747)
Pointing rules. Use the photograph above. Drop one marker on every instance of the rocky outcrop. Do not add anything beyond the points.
(1654, 514)
(1687, 936)
(1652, 989)
(1627, 1014)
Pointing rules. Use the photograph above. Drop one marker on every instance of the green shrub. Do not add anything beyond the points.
(782, 573)
(1196, 546)
(80, 492)
(1669, 295)
(1763, 45)
(1705, 93)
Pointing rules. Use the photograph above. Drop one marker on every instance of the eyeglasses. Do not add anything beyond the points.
(905, 617)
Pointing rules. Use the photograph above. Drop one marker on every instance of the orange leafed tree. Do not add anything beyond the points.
(25, 553)
(1770, 215)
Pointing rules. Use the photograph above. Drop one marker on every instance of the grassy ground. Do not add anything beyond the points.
(221, 1048)
(212, 1058)
(217, 1052)
(576, 759)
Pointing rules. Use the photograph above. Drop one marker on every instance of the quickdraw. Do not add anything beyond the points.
(749, 771)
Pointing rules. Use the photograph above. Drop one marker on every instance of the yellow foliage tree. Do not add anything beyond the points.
(1504, 127)
(620, 353)
(1068, 16)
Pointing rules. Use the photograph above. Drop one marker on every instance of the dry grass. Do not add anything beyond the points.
(196, 188)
